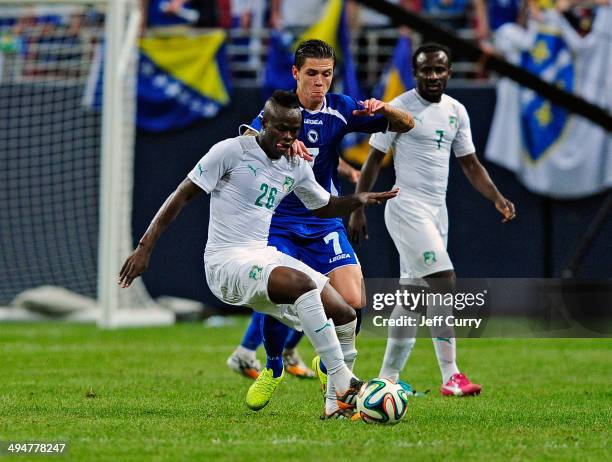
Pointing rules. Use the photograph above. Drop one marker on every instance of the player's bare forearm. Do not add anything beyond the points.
(342, 206)
(347, 171)
(138, 261)
(169, 210)
(370, 171)
(482, 182)
(369, 174)
(399, 121)
(479, 177)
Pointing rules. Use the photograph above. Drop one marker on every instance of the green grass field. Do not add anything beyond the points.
(166, 394)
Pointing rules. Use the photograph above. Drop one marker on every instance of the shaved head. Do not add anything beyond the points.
(280, 104)
(281, 123)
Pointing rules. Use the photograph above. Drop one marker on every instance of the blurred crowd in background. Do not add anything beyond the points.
(200, 68)
(249, 23)
(193, 53)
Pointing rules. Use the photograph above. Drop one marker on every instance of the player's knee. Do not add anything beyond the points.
(353, 295)
(343, 313)
(443, 282)
(356, 300)
(302, 283)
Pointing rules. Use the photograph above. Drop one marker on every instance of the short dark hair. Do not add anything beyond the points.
(286, 99)
(430, 48)
(317, 49)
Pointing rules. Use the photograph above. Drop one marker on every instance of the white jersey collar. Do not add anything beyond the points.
(425, 101)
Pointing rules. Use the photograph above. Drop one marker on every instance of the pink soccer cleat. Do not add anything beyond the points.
(460, 385)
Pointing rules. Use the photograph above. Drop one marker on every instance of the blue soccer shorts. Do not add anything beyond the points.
(323, 253)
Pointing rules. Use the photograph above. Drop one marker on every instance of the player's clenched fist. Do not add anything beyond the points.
(506, 208)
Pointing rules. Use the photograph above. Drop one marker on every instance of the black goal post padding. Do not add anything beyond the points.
(471, 50)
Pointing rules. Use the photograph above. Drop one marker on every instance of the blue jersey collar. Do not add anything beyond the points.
(323, 106)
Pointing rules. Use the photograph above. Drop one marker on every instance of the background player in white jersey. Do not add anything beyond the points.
(418, 221)
(247, 177)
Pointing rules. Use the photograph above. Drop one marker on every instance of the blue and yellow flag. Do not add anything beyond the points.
(332, 28)
(542, 123)
(396, 79)
(554, 152)
(181, 80)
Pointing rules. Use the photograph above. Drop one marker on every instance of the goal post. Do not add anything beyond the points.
(68, 92)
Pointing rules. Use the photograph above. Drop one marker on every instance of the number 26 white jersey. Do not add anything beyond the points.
(245, 187)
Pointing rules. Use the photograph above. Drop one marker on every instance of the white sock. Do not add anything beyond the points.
(321, 333)
(401, 340)
(346, 337)
(446, 354)
(245, 352)
(443, 339)
(396, 354)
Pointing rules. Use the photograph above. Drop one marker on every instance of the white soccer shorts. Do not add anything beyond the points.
(240, 277)
(420, 234)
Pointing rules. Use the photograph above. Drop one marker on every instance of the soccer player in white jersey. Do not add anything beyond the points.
(247, 177)
(417, 221)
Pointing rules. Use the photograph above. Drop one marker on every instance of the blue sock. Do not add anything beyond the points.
(322, 366)
(357, 329)
(358, 326)
(293, 339)
(253, 335)
(274, 335)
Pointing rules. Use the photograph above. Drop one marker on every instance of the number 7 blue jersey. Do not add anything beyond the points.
(322, 132)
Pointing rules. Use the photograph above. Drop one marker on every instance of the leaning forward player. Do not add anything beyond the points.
(247, 177)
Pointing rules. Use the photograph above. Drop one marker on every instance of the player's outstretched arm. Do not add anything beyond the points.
(399, 121)
(138, 261)
(341, 206)
(369, 175)
(482, 182)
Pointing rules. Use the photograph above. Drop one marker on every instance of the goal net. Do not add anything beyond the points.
(67, 99)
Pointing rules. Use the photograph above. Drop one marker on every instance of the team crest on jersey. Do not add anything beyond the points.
(255, 273)
(288, 184)
(452, 121)
(312, 135)
(429, 257)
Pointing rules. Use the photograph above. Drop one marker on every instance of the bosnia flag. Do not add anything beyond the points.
(553, 152)
(542, 123)
(181, 80)
(396, 79)
(332, 28)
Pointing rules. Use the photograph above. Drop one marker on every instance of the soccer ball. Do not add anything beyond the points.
(382, 401)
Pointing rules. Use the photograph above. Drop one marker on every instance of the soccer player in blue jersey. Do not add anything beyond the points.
(320, 243)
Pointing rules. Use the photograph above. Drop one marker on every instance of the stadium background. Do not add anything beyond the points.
(537, 244)
(164, 394)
